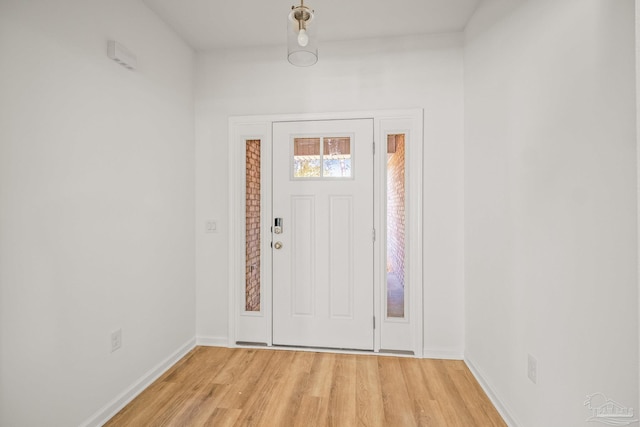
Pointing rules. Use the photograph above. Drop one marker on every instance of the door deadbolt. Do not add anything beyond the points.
(277, 226)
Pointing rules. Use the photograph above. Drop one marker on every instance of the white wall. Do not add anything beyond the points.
(362, 75)
(550, 205)
(638, 139)
(96, 205)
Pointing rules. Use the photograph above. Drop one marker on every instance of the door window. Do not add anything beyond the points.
(322, 157)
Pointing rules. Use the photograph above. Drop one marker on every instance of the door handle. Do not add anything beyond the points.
(277, 245)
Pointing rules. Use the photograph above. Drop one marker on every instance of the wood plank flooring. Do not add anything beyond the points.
(213, 386)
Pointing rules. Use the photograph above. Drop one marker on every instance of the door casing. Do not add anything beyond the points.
(249, 328)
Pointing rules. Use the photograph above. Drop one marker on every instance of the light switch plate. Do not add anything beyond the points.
(211, 226)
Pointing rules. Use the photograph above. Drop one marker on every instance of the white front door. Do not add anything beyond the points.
(323, 243)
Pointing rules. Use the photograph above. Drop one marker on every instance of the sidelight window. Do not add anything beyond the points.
(395, 226)
(252, 226)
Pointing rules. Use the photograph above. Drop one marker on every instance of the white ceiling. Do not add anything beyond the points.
(211, 24)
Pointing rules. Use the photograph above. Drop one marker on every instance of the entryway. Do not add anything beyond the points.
(326, 237)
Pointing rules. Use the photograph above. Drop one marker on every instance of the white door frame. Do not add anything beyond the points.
(389, 334)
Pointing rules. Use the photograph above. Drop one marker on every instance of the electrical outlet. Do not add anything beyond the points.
(116, 340)
(532, 369)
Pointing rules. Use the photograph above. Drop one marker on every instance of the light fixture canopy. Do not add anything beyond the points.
(302, 43)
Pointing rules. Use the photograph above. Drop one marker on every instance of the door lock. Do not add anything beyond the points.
(277, 226)
(277, 245)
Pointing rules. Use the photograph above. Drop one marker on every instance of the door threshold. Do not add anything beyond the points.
(264, 346)
(323, 349)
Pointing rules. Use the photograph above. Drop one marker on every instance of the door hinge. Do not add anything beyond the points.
(374, 322)
(374, 148)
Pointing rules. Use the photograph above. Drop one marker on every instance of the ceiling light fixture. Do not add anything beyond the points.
(301, 40)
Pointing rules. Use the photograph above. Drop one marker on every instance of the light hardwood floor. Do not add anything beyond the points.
(214, 386)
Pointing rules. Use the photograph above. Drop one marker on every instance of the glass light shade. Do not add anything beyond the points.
(302, 48)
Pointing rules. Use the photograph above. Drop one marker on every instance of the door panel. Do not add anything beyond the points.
(323, 271)
(303, 255)
(341, 258)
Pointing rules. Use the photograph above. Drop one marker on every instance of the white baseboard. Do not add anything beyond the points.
(212, 341)
(113, 407)
(442, 353)
(502, 408)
